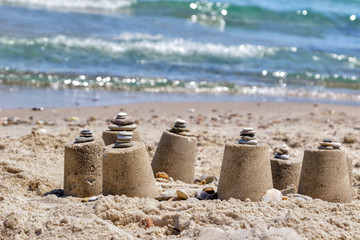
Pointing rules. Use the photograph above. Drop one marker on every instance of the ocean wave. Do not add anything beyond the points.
(207, 12)
(73, 5)
(145, 46)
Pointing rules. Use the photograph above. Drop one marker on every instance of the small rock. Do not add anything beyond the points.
(291, 189)
(38, 109)
(162, 175)
(350, 139)
(336, 145)
(301, 197)
(206, 178)
(146, 223)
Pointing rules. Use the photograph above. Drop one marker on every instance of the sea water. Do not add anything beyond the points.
(100, 52)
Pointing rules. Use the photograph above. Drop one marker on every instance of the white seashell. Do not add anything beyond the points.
(181, 194)
(272, 195)
(93, 198)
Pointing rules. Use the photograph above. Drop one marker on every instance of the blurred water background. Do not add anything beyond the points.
(100, 52)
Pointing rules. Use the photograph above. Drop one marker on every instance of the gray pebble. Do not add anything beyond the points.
(83, 139)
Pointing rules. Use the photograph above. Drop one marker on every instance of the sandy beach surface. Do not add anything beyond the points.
(32, 167)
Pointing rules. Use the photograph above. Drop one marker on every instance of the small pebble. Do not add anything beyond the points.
(205, 179)
(299, 196)
(121, 115)
(336, 145)
(146, 223)
(162, 175)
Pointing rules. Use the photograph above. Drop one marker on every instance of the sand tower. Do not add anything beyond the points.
(325, 173)
(245, 171)
(176, 153)
(127, 170)
(120, 124)
(83, 166)
(285, 170)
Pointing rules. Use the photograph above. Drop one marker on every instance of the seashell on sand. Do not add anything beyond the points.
(181, 194)
(272, 195)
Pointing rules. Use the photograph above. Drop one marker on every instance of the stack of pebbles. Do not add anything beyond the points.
(122, 123)
(282, 153)
(119, 124)
(328, 144)
(180, 128)
(248, 136)
(124, 140)
(85, 136)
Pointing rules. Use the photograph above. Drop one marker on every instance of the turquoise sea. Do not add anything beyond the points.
(101, 52)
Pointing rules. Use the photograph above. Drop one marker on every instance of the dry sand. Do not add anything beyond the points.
(32, 161)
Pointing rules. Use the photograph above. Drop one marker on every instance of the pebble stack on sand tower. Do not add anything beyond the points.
(245, 171)
(83, 166)
(285, 170)
(176, 153)
(120, 124)
(325, 173)
(127, 170)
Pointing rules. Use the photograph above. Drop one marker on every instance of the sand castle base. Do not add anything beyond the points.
(83, 169)
(127, 171)
(245, 172)
(285, 172)
(110, 137)
(325, 175)
(176, 155)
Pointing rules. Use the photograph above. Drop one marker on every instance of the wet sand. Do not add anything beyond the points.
(32, 163)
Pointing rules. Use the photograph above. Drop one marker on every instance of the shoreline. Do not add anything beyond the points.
(27, 97)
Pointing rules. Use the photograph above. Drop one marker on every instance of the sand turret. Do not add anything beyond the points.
(245, 171)
(83, 166)
(176, 153)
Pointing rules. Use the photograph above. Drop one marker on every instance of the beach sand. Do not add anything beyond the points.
(32, 165)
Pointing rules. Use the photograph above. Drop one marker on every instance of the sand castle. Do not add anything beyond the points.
(127, 170)
(120, 123)
(245, 171)
(325, 173)
(176, 153)
(285, 171)
(83, 166)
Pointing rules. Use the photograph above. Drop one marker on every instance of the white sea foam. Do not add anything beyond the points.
(73, 5)
(148, 45)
